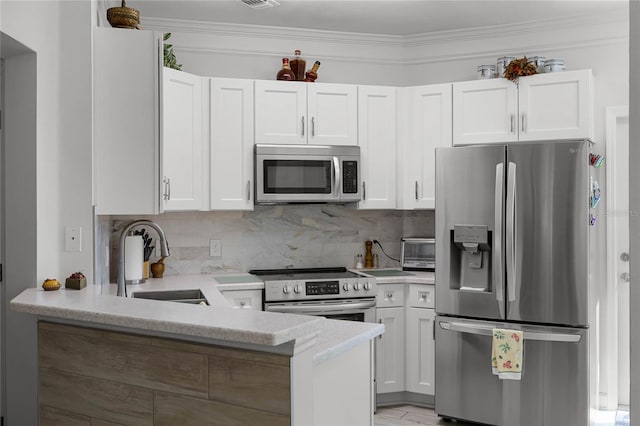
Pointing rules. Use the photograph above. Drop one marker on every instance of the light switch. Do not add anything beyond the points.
(73, 238)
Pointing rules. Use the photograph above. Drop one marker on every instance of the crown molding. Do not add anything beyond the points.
(442, 46)
(263, 31)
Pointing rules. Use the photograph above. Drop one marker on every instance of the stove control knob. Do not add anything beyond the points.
(286, 289)
(367, 286)
(346, 287)
(296, 288)
(356, 286)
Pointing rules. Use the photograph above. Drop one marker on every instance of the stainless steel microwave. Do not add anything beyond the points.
(418, 254)
(307, 174)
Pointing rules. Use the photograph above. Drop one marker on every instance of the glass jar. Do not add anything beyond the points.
(538, 61)
(554, 65)
(359, 263)
(486, 71)
(502, 63)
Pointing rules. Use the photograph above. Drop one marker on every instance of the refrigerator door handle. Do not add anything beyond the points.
(511, 236)
(528, 335)
(498, 268)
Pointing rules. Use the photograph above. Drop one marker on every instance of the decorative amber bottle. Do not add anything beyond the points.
(285, 73)
(368, 255)
(298, 65)
(312, 74)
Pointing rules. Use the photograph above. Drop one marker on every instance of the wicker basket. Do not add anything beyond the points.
(123, 17)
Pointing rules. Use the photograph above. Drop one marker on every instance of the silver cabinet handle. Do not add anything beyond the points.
(313, 126)
(528, 335)
(423, 296)
(416, 190)
(624, 256)
(390, 295)
(498, 278)
(513, 123)
(248, 190)
(626, 277)
(364, 191)
(303, 125)
(524, 123)
(511, 237)
(167, 189)
(380, 322)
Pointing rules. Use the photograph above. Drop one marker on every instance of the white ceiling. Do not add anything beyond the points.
(389, 17)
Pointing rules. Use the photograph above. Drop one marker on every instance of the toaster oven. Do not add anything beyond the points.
(418, 254)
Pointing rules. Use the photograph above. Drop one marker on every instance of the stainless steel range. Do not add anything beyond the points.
(330, 292)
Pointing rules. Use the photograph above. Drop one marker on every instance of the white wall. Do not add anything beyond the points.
(53, 175)
(634, 206)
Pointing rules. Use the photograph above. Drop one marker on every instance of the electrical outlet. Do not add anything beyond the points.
(215, 248)
(72, 238)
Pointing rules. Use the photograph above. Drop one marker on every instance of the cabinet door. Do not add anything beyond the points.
(181, 140)
(126, 116)
(556, 106)
(485, 111)
(420, 351)
(390, 351)
(377, 130)
(281, 112)
(432, 128)
(244, 299)
(333, 114)
(231, 144)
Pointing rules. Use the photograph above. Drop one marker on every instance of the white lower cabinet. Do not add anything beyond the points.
(420, 353)
(244, 299)
(390, 351)
(405, 353)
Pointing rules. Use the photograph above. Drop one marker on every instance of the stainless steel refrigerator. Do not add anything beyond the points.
(513, 251)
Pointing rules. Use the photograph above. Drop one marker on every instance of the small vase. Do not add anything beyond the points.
(157, 269)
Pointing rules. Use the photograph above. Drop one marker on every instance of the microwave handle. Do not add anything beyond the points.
(337, 174)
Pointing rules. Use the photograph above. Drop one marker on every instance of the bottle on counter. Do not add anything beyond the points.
(312, 74)
(298, 65)
(285, 73)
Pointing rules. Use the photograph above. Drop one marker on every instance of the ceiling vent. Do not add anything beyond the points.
(260, 4)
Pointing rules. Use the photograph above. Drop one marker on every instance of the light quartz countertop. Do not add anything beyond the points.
(415, 277)
(219, 321)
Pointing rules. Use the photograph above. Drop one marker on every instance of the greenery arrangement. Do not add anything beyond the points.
(519, 67)
(170, 60)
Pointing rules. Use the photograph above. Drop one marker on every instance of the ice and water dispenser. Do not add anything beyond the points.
(470, 258)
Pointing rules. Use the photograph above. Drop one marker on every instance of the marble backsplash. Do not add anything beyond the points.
(284, 236)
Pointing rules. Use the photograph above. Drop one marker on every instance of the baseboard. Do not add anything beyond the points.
(395, 398)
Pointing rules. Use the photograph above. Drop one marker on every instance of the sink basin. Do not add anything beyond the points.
(389, 273)
(183, 296)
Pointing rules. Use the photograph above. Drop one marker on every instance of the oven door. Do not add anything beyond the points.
(362, 310)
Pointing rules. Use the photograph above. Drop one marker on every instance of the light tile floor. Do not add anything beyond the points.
(409, 415)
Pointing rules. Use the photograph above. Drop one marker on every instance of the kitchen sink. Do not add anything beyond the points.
(183, 296)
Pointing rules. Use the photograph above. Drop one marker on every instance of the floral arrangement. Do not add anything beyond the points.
(519, 67)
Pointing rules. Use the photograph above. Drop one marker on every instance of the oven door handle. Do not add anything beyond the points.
(322, 307)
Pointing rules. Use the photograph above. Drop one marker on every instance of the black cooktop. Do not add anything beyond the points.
(304, 274)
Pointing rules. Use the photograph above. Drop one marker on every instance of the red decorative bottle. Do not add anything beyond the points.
(285, 73)
(312, 74)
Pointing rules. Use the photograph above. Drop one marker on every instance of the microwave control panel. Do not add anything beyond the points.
(349, 177)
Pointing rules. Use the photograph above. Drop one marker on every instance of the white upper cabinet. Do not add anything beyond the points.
(551, 106)
(181, 140)
(430, 127)
(377, 130)
(126, 120)
(231, 144)
(333, 114)
(485, 111)
(556, 106)
(288, 112)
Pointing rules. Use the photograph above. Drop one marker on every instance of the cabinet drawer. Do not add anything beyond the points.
(390, 295)
(421, 296)
(244, 299)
